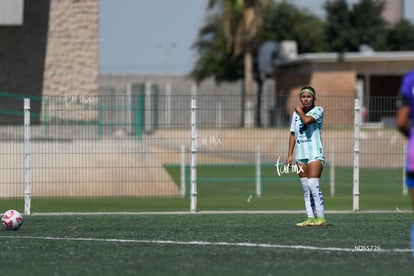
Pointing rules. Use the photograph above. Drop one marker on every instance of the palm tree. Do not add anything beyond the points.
(242, 28)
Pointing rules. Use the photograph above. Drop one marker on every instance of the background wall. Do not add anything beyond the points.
(22, 58)
(72, 56)
(54, 52)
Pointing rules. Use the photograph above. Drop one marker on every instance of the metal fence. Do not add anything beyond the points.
(132, 152)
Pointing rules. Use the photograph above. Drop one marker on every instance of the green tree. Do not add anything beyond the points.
(338, 26)
(368, 24)
(280, 21)
(348, 27)
(284, 21)
(242, 24)
(400, 37)
(213, 58)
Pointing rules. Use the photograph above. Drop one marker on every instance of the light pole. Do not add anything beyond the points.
(166, 49)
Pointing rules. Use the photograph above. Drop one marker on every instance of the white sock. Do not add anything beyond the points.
(306, 197)
(313, 184)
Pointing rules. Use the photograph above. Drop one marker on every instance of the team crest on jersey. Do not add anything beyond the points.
(303, 128)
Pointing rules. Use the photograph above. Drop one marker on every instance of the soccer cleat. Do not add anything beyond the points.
(319, 222)
(307, 222)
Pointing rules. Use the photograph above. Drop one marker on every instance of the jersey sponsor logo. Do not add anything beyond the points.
(300, 141)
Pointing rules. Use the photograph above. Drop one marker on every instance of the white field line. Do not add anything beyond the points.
(206, 243)
(223, 212)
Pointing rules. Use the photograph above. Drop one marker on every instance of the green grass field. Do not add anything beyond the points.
(232, 243)
(229, 188)
(208, 244)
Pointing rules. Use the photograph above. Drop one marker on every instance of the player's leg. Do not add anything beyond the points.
(312, 203)
(314, 173)
(409, 181)
(412, 225)
(306, 196)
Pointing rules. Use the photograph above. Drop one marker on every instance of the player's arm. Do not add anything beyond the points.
(403, 115)
(305, 119)
(403, 120)
(289, 159)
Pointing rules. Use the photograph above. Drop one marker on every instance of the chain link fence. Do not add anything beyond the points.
(130, 151)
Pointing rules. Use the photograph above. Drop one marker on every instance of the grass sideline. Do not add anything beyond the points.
(208, 244)
(225, 203)
(233, 188)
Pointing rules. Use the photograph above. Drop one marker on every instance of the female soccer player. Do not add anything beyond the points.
(305, 139)
(405, 116)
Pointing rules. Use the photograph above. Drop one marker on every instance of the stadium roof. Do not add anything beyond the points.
(389, 63)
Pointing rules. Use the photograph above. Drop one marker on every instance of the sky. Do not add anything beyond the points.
(154, 37)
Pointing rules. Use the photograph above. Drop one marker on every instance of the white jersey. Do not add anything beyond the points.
(308, 140)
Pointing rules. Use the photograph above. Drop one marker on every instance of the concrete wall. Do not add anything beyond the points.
(55, 53)
(22, 59)
(72, 56)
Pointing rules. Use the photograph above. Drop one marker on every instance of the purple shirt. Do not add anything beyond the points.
(407, 93)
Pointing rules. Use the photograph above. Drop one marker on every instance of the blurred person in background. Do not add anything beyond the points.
(404, 120)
